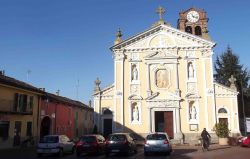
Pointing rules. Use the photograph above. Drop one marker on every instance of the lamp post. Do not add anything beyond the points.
(243, 107)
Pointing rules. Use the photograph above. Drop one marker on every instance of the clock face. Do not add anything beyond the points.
(193, 16)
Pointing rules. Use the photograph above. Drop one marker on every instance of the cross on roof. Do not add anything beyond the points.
(97, 82)
(160, 10)
(232, 79)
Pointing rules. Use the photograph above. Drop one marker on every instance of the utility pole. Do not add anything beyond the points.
(27, 75)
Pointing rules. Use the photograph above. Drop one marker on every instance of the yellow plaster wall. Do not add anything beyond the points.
(8, 93)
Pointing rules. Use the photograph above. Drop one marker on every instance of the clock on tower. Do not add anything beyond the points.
(194, 21)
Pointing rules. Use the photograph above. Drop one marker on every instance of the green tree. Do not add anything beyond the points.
(227, 64)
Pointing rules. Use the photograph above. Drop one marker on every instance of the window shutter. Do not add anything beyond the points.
(15, 104)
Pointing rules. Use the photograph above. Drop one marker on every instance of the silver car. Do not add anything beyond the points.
(157, 142)
(55, 144)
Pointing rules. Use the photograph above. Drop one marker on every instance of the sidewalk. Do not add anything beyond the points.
(194, 148)
(17, 149)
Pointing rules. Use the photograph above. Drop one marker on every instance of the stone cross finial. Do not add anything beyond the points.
(118, 37)
(160, 10)
(97, 85)
(232, 81)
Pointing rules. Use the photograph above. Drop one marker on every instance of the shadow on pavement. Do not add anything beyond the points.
(182, 151)
(218, 148)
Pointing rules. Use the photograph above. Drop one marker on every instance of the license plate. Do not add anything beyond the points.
(46, 150)
(115, 150)
(86, 145)
(156, 148)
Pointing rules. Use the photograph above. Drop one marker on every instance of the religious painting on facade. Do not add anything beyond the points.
(162, 79)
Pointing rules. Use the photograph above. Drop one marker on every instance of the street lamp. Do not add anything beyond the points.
(243, 107)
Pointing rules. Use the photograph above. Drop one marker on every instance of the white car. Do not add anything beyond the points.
(157, 142)
(55, 144)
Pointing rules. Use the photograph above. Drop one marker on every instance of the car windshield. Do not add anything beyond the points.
(156, 137)
(49, 139)
(88, 139)
(117, 137)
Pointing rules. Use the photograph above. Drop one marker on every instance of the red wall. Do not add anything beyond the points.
(63, 122)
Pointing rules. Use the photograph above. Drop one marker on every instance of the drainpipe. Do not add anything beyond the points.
(215, 107)
(55, 119)
(38, 117)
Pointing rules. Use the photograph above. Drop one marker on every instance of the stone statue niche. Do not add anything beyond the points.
(135, 112)
(134, 72)
(190, 70)
(192, 111)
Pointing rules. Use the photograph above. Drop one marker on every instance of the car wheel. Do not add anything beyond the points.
(73, 150)
(145, 153)
(98, 152)
(167, 153)
(78, 154)
(39, 155)
(107, 154)
(60, 153)
(129, 152)
(135, 151)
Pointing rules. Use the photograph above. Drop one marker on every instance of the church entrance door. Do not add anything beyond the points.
(164, 122)
(107, 127)
(224, 120)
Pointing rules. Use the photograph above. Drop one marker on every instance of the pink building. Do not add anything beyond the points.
(60, 115)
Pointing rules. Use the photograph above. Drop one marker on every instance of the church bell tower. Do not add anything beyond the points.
(194, 21)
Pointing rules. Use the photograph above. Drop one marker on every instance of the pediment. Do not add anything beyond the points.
(163, 36)
(135, 97)
(222, 90)
(106, 92)
(192, 96)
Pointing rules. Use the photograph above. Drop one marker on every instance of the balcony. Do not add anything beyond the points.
(8, 107)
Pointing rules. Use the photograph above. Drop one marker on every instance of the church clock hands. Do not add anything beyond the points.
(193, 16)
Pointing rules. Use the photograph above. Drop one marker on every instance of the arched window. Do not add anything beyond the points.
(198, 30)
(107, 112)
(222, 110)
(188, 29)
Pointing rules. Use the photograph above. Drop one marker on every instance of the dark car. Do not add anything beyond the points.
(120, 143)
(94, 144)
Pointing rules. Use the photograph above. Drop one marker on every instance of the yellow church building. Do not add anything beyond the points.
(163, 82)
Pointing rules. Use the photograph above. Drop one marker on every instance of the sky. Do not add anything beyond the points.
(64, 44)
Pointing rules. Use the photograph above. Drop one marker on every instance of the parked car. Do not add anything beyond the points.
(90, 144)
(245, 141)
(157, 143)
(120, 143)
(240, 139)
(55, 144)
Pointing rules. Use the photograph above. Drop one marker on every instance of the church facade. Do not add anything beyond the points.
(163, 82)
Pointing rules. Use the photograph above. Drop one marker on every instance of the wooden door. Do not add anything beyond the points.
(168, 123)
(107, 127)
(224, 120)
